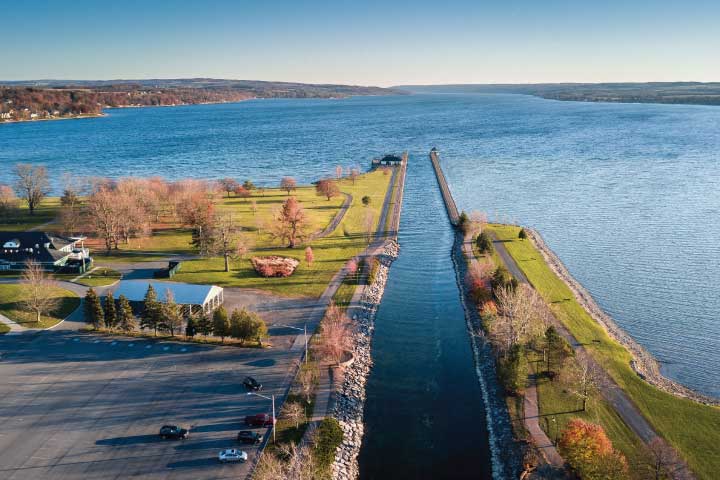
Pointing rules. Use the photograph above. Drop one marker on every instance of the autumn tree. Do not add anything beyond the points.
(309, 256)
(354, 174)
(289, 224)
(288, 184)
(8, 201)
(335, 337)
(294, 412)
(664, 463)
(110, 313)
(32, 184)
(228, 185)
(221, 323)
(327, 188)
(103, 216)
(38, 291)
(93, 309)
(126, 318)
(242, 192)
(589, 452)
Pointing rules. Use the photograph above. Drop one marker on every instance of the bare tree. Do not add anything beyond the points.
(368, 225)
(338, 172)
(335, 338)
(327, 188)
(288, 184)
(664, 463)
(354, 174)
(38, 291)
(294, 412)
(307, 378)
(523, 315)
(103, 216)
(244, 245)
(32, 184)
(228, 185)
(290, 223)
(225, 238)
(309, 256)
(253, 207)
(8, 201)
(585, 379)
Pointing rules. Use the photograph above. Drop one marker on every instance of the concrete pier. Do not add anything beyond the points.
(447, 196)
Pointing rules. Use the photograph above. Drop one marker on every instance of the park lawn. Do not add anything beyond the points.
(11, 306)
(100, 277)
(331, 252)
(45, 212)
(693, 428)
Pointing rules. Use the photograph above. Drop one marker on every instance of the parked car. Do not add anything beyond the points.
(248, 436)
(260, 420)
(232, 455)
(252, 384)
(174, 432)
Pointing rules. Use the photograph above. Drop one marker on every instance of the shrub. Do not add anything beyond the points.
(522, 235)
(374, 268)
(484, 244)
(329, 437)
(274, 266)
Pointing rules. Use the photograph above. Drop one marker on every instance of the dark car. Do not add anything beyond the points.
(174, 432)
(248, 436)
(252, 384)
(259, 420)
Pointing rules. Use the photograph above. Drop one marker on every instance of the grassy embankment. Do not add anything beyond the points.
(694, 429)
(11, 306)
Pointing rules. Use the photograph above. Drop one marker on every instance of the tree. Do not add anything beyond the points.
(225, 238)
(366, 200)
(557, 351)
(171, 316)
(248, 185)
(335, 337)
(103, 216)
(502, 279)
(220, 323)
(288, 184)
(327, 188)
(484, 244)
(664, 463)
(338, 172)
(205, 324)
(239, 327)
(191, 327)
(368, 225)
(463, 221)
(39, 291)
(243, 246)
(589, 452)
(584, 380)
(329, 438)
(309, 256)
(151, 314)
(294, 412)
(290, 223)
(522, 235)
(242, 192)
(307, 379)
(512, 370)
(228, 185)
(354, 174)
(126, 317)
(111, 319)
(8, 201)
(32, 184)
(93, 309)
(522, 316)
(253, 207)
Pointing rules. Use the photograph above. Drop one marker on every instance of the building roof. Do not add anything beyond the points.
(41, 247)
(183, 293)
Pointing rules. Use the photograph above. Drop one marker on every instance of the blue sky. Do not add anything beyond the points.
(367, 43)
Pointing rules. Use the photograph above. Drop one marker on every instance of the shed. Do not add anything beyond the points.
(193, 298)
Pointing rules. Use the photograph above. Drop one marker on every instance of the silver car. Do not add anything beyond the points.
(232, 455)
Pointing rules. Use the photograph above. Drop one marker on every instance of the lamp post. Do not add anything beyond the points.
(304, 330)
(271, 397)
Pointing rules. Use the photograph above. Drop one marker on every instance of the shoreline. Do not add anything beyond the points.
(643, 363)
(74, 117)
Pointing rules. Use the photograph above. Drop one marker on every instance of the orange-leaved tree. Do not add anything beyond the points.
(590, 453)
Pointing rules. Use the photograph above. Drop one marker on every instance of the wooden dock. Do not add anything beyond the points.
(450, 205)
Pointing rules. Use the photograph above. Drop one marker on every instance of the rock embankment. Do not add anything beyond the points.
(644, 364)
(351, 395)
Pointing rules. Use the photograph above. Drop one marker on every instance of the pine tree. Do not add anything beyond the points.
(190, 328)
(125, 316)
(110, 313)
(204, 324)
(171, 318)
(93, 309)
(522, 235)
(151, 310)
(221, 324)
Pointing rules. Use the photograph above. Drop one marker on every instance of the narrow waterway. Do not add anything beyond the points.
(424, 414)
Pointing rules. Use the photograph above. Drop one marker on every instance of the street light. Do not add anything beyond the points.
(271, 397)
(304, 330)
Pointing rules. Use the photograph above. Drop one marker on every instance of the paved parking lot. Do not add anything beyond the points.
(80, 406)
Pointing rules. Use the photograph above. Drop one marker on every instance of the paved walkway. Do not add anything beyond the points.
(336, 219)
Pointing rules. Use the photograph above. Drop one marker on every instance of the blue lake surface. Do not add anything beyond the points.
(627, 195)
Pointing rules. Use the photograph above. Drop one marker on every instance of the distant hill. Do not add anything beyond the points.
(46, 99)
(693, 93)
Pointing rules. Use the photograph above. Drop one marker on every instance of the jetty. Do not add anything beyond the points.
(389, 224)
(450, 205)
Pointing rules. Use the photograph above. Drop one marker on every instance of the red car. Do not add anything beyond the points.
(259, 420)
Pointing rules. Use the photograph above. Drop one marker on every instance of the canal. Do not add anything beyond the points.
(424, 413)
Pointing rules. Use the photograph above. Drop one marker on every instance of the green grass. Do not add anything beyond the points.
(694, 429)
(331, 252)
(4, 328)
(100, 277)
(22, 220)
(11, 306)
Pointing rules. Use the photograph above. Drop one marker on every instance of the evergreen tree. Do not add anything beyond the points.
(484, 244)
(522, 235)
(221, 324)
(204, 324)
(151, 310)
(110, 313)
(171, 318)
(93, 309)
(191, 327)
(260, 330)
(125, 317)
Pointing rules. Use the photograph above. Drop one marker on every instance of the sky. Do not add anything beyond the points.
(363, 42)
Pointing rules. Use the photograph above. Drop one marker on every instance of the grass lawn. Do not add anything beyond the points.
(100, 277)
(11, 306)
(331, 252)
(694, 429)
(45, 212)
(4, 328)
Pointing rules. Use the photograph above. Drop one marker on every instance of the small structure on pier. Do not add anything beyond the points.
(387, 161)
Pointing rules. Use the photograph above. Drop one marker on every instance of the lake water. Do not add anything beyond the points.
(627, 195)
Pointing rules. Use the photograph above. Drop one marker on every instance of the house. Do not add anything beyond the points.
(387, 161)
(51, 252)
(191, 298)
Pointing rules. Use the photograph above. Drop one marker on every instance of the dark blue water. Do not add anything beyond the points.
(627, 195)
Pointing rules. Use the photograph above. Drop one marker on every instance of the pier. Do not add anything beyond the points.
(447, 196)
(389, 224)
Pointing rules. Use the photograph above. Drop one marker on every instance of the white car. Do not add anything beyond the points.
(232, 455)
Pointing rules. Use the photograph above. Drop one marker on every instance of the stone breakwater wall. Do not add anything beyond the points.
(644, 364)
(350, 398)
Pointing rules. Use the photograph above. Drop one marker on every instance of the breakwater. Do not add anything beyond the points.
(448, 199)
